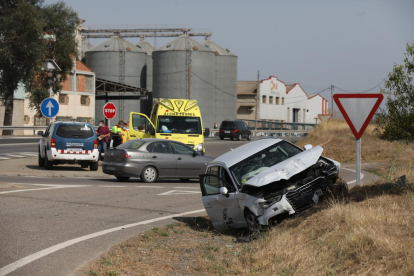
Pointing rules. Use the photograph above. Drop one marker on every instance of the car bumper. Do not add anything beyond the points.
(121, 169)
(60, 155)
(297, 200)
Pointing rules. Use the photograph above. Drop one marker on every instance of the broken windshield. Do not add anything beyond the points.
(262, 160)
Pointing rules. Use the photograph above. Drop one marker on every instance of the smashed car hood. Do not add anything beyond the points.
(288, 168)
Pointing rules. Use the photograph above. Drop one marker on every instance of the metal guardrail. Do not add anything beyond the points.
(267, 133)
(34, 128)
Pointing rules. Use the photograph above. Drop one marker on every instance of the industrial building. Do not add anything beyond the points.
(182, 68)
(273, 100)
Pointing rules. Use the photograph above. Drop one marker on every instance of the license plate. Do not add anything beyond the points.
(227, 131)
(315, 198)
(75, 150)
(110, 168)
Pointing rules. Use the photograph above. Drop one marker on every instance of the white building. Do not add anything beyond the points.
(278, 102)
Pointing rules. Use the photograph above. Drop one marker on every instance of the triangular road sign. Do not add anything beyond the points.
(358, 110)
(325, 117)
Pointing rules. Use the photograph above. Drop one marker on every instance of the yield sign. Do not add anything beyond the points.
(358, 110)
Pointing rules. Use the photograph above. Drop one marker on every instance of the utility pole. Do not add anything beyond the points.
(257, 98)
(332, 89)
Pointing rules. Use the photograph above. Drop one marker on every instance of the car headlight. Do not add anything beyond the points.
(199, 147)
(266, 204)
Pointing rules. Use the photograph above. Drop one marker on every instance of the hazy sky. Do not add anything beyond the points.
(352, 44)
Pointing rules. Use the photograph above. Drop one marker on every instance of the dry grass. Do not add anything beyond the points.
(368, 232)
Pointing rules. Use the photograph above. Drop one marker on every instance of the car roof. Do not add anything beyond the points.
(240, 153)
(149, 140)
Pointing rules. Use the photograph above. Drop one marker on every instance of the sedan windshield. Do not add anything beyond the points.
(262, 160)
(179, 124)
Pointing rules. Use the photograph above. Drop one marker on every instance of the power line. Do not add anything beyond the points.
(365, 91)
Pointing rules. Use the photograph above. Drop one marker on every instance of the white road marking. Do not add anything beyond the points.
(20, 156)
(18, 144)
(33, 257)
(353, 181)
(5, 158)
(157, 187)
(186, 187)
(50, 187)
(180, 192)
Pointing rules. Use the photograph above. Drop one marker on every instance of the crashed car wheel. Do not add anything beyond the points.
(149, 174)
(253, 225)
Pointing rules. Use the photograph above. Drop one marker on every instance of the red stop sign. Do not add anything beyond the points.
(109, 110)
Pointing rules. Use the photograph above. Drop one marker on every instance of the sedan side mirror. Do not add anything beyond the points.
(224, 191)
(40, 133)
(307, 147)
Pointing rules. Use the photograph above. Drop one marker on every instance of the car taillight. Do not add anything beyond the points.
(236, 130)
(95, 144)
(220, 130)
(126, 155)
(53, 143)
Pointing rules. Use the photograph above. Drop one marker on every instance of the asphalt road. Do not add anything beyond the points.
(53, 223)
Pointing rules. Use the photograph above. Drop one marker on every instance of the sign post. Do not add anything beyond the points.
(358, 110)
(109, 111)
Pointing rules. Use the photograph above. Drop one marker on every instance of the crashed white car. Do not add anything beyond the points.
(261, 180)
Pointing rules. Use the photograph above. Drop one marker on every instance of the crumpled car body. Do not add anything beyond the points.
(265, 180)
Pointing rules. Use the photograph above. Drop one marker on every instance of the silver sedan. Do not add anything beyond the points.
(150, 159)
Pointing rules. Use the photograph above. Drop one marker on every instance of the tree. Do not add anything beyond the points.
(21, 48)
(61, 22)
(26, 31)
(397, 119)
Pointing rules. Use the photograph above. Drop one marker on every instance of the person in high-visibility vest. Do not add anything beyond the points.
(124, 130)
(117, 134)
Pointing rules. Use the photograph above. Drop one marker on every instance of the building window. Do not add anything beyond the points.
(41, 121)
(85, 120)
(264, 99)
(271, 99)
(88, 83)
(277, 100)
(85, 100)
(64, 119)
(63, 99)
(71, 83)
(283, 101)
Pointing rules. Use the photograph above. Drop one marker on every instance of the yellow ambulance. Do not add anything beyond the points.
(175, 119)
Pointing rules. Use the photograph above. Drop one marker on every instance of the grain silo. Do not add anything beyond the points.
(184, 69)
(225, 92)
(86, 46)
(119, 61)
(147, 82)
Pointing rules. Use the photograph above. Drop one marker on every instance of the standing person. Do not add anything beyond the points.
(125, 131)
(117, 134)
(103, 133)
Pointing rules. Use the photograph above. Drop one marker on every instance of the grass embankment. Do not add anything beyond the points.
(369, 232)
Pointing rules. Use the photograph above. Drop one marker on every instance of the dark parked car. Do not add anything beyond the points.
(150, 159)
(236, 129)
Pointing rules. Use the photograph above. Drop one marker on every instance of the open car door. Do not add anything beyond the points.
(140, 126)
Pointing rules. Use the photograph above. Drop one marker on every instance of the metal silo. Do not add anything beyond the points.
(119, 61)
(184, 69)
(86, 46)
(147, 82)
(225, 92)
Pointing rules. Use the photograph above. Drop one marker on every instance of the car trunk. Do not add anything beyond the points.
(228, 126)
(115, 155)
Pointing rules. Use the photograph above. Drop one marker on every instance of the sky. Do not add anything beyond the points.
(350, 44)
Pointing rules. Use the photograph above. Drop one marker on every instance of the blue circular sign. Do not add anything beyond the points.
(49, 107)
